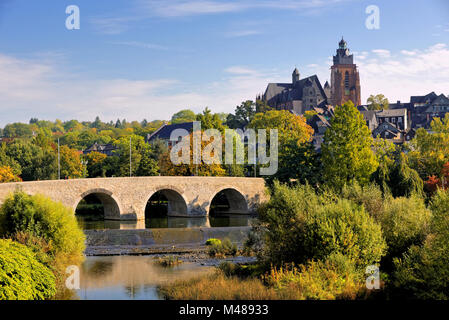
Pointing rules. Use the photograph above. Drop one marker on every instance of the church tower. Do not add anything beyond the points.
(345, 80)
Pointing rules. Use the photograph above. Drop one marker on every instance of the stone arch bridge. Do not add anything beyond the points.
(126, 198)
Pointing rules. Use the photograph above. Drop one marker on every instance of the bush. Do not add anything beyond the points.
(423, 272)
(333, 279)
(22, 276)
(46, 227)
(301, 226)
(44, 218)
(221, 249)
(169, 261)
(369, 196)
(282, 221)
(213, 241)
(405, 222)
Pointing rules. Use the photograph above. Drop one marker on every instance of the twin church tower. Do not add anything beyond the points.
(306, 94)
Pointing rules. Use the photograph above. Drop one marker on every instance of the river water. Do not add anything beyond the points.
(130, 277)
(169, 222)
(137, 277)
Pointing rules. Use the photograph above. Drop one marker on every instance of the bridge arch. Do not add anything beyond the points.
(233, 202)
(176, 202)
(111, 205)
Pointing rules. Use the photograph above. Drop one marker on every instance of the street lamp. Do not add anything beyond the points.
(84, 164)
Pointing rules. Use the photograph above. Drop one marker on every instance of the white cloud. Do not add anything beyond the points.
(409, 72)
(139, 44)
(382, 53)
(34, 89)
(39, 89)
(241, 33)
(178, 8)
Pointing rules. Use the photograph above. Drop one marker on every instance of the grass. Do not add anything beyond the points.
(316, 281)
(218, 287)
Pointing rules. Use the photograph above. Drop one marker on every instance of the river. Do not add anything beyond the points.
(130, 277)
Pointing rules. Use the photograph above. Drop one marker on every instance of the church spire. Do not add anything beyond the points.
(295, 76)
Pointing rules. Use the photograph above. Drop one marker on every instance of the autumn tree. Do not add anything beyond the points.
(7, 175)
(294, 135)
(346, 151)
(169, 168)
(71, 166)
(95, 164)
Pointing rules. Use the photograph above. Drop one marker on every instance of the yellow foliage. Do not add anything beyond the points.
(7, 175)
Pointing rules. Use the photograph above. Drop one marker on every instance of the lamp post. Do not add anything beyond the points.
(59, 163)
(84, 164)
(130, 157)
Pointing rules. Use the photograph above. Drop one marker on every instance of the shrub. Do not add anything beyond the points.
(282, 221)
(369, 196)
(405, 222)
(301, 226)
(22, 276)
(317, 280)
(169, 261)
(345, 228)
(423, 272)
(213, 241)
(223, 248)
(44, 218)
(48, 228)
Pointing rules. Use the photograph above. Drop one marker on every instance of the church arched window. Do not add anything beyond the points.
(347, 80)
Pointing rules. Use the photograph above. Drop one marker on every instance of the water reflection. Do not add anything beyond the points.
(169, 222)
(130, 277)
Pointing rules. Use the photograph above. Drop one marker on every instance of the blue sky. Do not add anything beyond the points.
(140, 59)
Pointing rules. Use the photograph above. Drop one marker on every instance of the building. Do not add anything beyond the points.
(345, 79)
(107, 149)
(298, 96)
(397, 117)
(165, 131)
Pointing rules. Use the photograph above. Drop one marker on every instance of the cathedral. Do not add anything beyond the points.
(306, 94)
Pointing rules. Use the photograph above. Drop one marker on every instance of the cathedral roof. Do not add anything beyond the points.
(283, 92)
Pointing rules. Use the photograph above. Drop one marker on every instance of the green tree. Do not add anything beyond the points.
(210, 121)
(430, 151)
(186, 115)
(148, 165)
(300, 163)
(377, 102)
(243, 115)
(346, 152)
